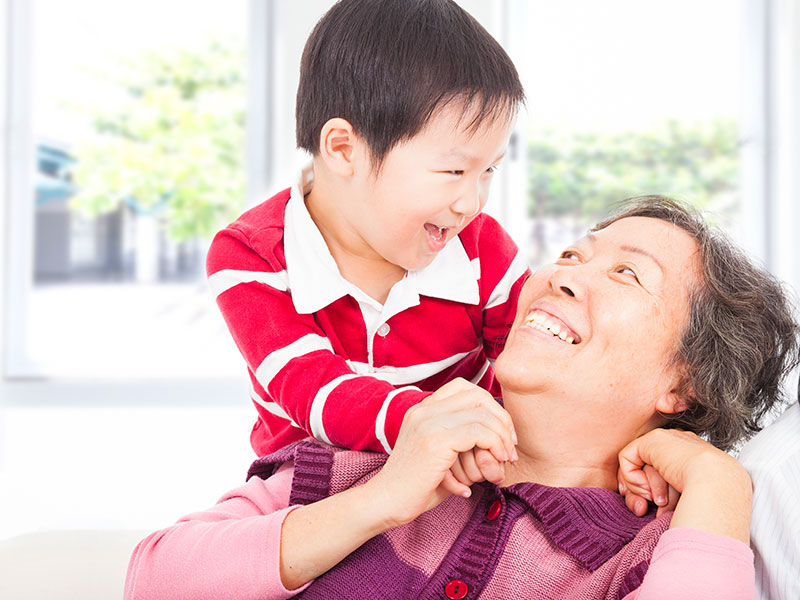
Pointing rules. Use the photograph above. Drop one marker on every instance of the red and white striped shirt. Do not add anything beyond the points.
(326, 359)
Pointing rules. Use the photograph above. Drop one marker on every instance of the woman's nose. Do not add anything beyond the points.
(569, 281)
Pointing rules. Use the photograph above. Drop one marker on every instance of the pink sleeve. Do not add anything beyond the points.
(229, 551)
(689, 563)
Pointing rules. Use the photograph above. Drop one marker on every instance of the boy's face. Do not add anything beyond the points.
(429, 187)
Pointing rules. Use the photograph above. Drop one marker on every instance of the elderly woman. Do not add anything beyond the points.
(650, 321)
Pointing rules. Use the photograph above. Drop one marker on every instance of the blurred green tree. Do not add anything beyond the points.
(171, 143)
(582, 176)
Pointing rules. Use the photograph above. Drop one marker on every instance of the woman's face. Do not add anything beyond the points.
(600, 327)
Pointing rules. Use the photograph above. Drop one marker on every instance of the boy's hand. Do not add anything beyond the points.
(715, 490)
(459, 419)
(654, 488)
(477, 465)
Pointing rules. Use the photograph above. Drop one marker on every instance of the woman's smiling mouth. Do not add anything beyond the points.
(543, 321)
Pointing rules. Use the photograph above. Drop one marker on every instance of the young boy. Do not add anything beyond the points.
(375, 280)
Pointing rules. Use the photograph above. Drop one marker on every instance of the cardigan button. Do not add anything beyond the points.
(383, 330)
(494, 510)
(456, 589)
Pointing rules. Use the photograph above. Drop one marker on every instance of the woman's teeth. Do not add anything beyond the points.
(541, 322)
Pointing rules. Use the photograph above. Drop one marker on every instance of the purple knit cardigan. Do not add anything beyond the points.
(520, 542)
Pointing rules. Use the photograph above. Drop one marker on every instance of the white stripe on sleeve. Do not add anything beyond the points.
(223, 280)
(272, 407)
(318, 405)
(380, 421)
(481, 373)
(503, 288)
(275, 361)
(411, 374)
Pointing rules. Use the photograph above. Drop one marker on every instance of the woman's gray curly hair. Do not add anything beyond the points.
(740, 340)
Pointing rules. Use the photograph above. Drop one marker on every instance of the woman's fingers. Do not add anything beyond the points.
(452, 486)
(459, 473)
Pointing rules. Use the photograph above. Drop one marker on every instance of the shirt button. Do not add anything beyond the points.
(456, 589)
(383, 330)
(494, 510)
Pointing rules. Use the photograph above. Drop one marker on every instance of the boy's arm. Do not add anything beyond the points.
(503, 273)
(293, 360)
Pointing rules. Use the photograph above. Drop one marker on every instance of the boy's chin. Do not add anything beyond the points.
(420, 263)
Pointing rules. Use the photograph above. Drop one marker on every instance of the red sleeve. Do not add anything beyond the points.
(293, 360)
(503, 273)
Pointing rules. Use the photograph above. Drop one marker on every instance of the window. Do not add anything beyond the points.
(136, 147)
(105, 262)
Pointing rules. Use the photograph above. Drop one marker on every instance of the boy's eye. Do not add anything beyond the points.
(492, 169)
(455, 172)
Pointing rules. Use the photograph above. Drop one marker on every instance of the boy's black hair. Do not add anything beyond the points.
(387, 66)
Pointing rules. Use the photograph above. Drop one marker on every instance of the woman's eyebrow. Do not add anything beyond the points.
(635, 249)
(643, 252)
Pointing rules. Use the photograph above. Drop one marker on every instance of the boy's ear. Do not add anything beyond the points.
(339, 146)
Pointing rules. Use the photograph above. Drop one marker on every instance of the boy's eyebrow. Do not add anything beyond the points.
(460, 154)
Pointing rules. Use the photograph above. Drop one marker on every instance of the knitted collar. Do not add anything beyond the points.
(589, 524)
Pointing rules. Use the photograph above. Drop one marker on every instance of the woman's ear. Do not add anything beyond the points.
(339, 146)
(672, 403)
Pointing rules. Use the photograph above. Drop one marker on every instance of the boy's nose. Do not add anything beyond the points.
(469, 203)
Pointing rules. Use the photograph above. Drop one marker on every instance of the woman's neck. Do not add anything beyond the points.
(557, 449)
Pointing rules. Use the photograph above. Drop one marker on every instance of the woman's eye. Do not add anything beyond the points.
(569, 255)
(492, 169)
(455, 172)
(627, 271)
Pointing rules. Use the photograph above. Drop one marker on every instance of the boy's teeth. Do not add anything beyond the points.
(436, 232)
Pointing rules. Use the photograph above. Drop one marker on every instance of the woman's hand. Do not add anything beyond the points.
(455, 437)
(716, 492)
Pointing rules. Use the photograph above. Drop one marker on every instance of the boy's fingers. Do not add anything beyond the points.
(461, 396)
(658, 486)
(673, 496)
(490, 469)
(472, 420)
(636, 504)
(470, 465)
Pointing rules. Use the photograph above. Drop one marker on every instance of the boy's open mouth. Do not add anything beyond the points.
(436, 232)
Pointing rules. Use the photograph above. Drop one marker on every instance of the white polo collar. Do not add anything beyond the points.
(315, 280)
